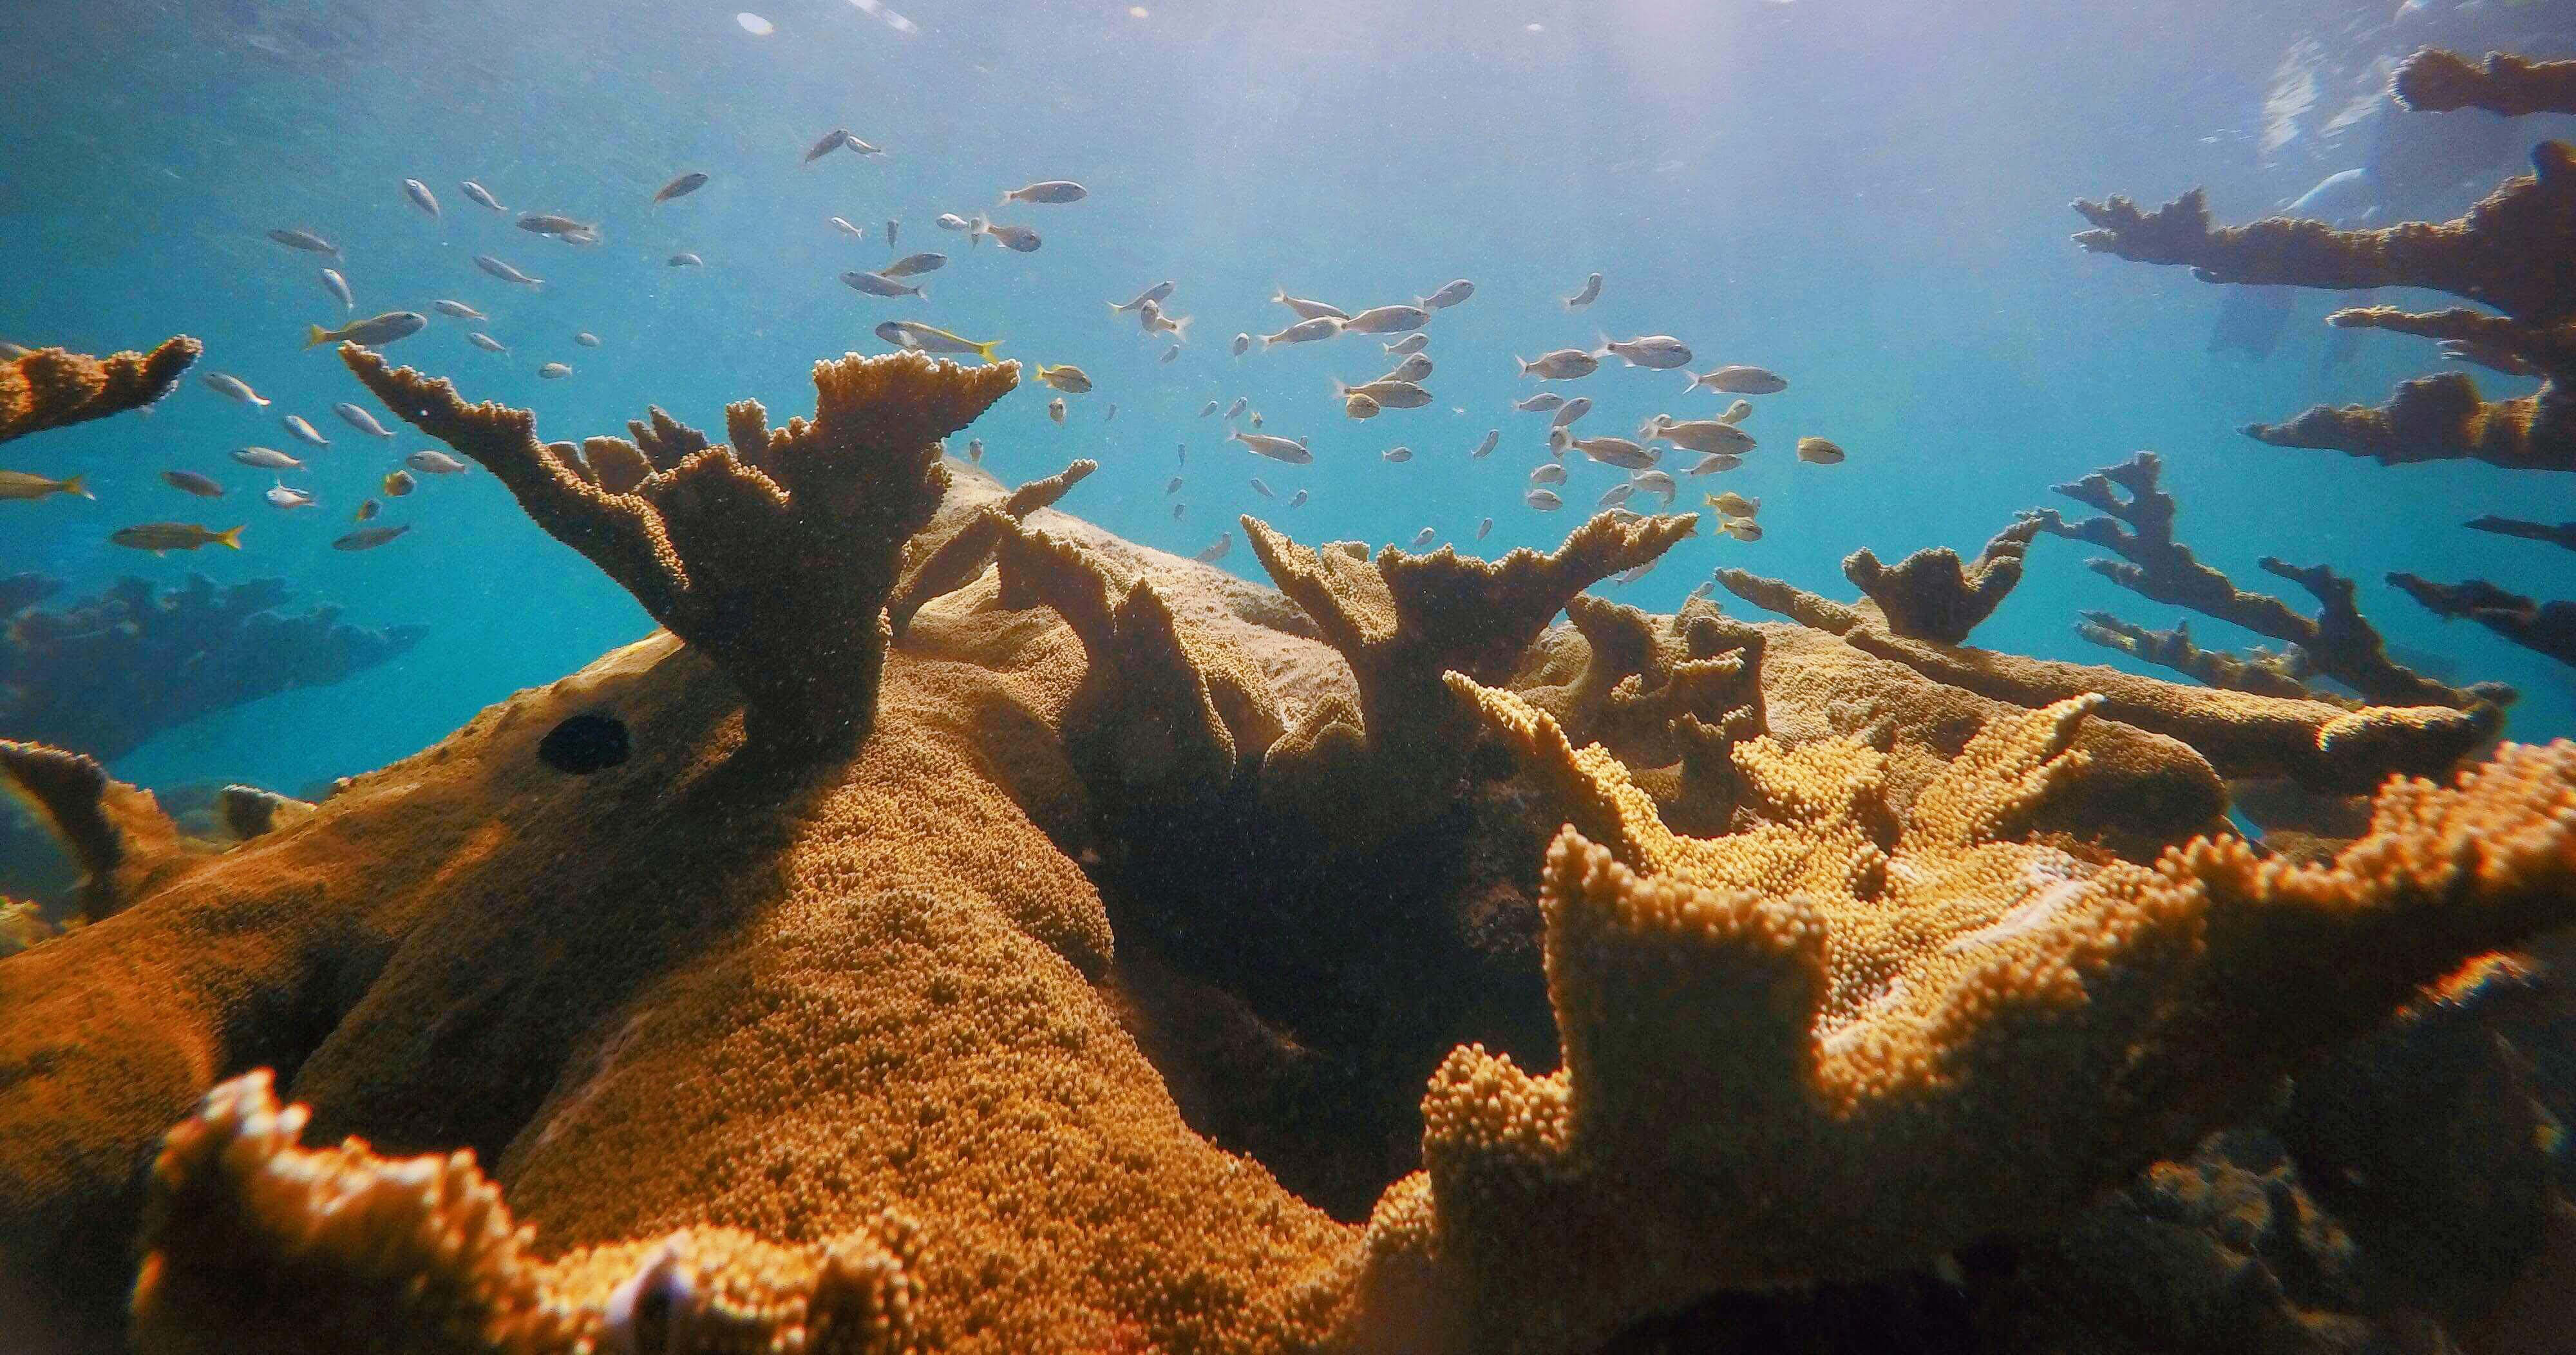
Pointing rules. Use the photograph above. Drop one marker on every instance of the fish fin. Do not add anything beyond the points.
(314, 335)
(1524, 362)
(1181, 329)
(231, 538)
(986, 349)
(922, 291)
(78, 485)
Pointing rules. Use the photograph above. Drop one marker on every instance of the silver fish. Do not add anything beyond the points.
(1155, 294)
(1552, 473)
(338, 287)
(1239, 405)
(305, 240)
(1705, 436)
(481, 194)
(1304, 331)
(431, 461)
(1360, 406)
(680, 187)
(1618, 452)
(555, 371)
(931, 339)
(913, 265)
(1399, 455)
(1424, 538)
(975, 449)
(1558, 440)
(1181, 454)
(267, 458)
(950, 221)
(458, 309)
(360, 419)
(1110, 413)
(1714, 462)
(1736, 413)
(368, 538)
(1277, 449)
(1387, 320)
(875, 284)
(505, 272)
(1307, 310)
(1544, 500)
(303, 431)
(1616, 494)
(421, 197)
(1019, 238)
(1635, 572)
(1450, 294)
(1539, 403)
(1738, 379)
(485, 342)
(1172, 488)
(1414, 368)
(232, 388)
(586, 339)
(1242, 342)
(1409, 345)
(1170, 353)
(1215, 550)
(1659, 351)
(1655, 482)
(375, 329)
(893, 228)
(1486, 448)
(1390, 394)
(279, 496)
(1209, 408)
(832, 141)
(1050, 190)
(1591, 289)
(551, 223)
(1484, 528)
(1178, 509)
(1262, 489)
(1705, 587)
(1297, 500)
(1819, 452)
(1055, 409)
(685, 259)
(1565, 364)
(193, 483)
(1570, 411)
(849, 229)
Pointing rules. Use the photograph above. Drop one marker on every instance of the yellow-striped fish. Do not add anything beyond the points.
(18, 484)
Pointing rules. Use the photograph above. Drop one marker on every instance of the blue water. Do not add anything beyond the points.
(1867, 197)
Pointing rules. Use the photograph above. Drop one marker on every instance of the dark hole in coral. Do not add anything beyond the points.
(586, 744)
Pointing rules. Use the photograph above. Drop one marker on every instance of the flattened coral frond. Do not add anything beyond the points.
(2436, 81)
(51, 387)
(116, 834)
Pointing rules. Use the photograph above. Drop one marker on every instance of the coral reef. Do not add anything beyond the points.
(2436, 81)
(50, 387)
(1930, 595)
(2542, 627)
(962, 554)
(773, 554)
(2562, 534)
(109, 671)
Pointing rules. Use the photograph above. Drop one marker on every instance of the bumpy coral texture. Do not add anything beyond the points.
(50, 387)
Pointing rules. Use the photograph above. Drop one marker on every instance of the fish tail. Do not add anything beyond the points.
(986, 349)
(78, 485)
(315, 334)
(231, 538)
(922, 291)
(1181, 329)
(1524, 362)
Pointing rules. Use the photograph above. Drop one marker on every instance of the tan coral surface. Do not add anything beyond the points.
(50, 387)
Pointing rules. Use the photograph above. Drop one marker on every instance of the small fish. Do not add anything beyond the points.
(1450, 294)
(1178, 509)
(421, 197)
(1424, 538)
(555, 224)
(950, 221)
(1019, 238)
(1544, 500)
(1734, 505)
(1399, 455)
(1591, 289)
(1704, 436)
(1570, 411)
(368, 538)
(832, 141)
(1735, 413)
(1048, 190)
(913, 334)
(1616, 494)
(1207, 409)
(1493, 436)
(1552, 473)
(1559, 441)
(281, 497)
(1242, 344)
(1109, 413)
(374, 330)
(1817, 451)
(1742, 529)
(1409, 345)
(1297, 500)
(1390, 394)
(1170, 353)
(1738, 379)
(1215, 550)
(1706, 587)
(338, 287)
(1655, 482)
(1181, 454)
(975, 450)
(877, 285)
(555, 371)
(1262, 489)
(305, 240)
(431, 461)
(849, 229)
(486, 342)
(1539, 403)
(232, 388)
(913, 265)
(680, 187)
(893, 228)
(1307, 310)
(1240, 403)
(481, 194)
(1635, 572)
(505, 273)
(1565, 364)
(1414, 368)
(458, 309)
(1055, 409)
(1618, 452)
(1484, 528)
(18, 484)
(1715, 462)
(1360, 406)
(367, 510)
(158, 537)
(267, 458)
(1304, 331)
(301, 431)
(1156, 294)
(1387, 320)
(1277, 449)
(190, 482)
(684, 259)
(586, 339)
(361, 420)
(1172, 487)
(1659, 351)
(398, 483)
(1066, 377)
(1151, 319)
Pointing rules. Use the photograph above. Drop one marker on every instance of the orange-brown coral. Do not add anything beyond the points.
(1931, 595)
(50, 387)
(2542, 627)
(962, 554)
(774, 554)
(2436, 81)
(1920, 1032)
(118, 836)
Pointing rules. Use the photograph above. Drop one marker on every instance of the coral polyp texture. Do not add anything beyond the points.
(773, 555)
(50, 387)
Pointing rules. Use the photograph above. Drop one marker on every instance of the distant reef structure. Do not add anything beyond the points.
(1125, 957)
(107, 672)
(2514, 253)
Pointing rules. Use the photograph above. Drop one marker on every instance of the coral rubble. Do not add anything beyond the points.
(50, 387)
(108, 672)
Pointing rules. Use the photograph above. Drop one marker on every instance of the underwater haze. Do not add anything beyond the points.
(1865, 197)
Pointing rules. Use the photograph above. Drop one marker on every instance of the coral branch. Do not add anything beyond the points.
(1930, 595)
(961, 556)
(2266, 674)
(2542, 627)
(2436, 81)
(775, 554)
(50, 387)
(2562, 535)
(118, 836)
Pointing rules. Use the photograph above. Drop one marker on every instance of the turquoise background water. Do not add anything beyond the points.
(1869, 198)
